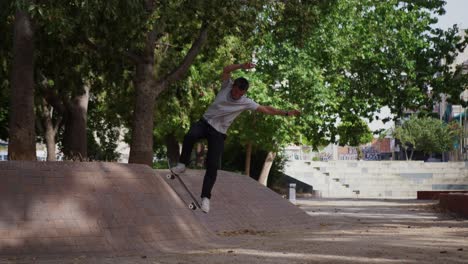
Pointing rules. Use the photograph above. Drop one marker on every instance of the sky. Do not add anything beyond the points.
(456, 13)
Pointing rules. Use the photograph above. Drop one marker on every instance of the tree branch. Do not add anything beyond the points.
(132, 56)
(55, 101)
(182, 69)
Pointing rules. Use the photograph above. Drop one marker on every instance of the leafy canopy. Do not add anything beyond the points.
(426, 134)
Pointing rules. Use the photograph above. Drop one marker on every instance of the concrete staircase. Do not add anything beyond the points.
(321, 181)
(379, 179)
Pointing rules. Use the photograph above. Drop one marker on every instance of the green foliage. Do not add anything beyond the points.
(354, 132)
(234, 160)
(177, 108)
(426, 134)
(351, 62)
(103, 130)
(104, 149)
(345, 63)
(77, 44)
(334, 60)
(276, 171)
(160, 165)
(186, 101)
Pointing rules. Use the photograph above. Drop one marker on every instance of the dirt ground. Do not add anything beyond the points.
(344, 231)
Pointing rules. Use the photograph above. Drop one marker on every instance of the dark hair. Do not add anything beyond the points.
(241, 83)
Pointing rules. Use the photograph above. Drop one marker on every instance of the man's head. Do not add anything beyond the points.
(239, 88)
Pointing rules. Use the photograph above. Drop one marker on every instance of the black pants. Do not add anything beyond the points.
(199, 130)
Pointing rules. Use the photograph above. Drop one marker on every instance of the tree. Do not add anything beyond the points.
(187, 100)
(69, 70)
(148, 87)
(354, 133)
(336, 60)
(348, 61)
(78, 63)
(65, 70)
(22, 136)
(269, 133)
(270, 84)
(351, 63)
(190, 26)
(234, 158)
(428, 135)
(183, 104)
(104, 127)
(143, 36)
(6, 20)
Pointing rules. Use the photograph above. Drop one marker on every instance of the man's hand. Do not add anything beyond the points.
(248, 65)
(293, 112)
(228, 69)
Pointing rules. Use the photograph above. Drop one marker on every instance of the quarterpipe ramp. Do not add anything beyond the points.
(238, 203)
(96, 207)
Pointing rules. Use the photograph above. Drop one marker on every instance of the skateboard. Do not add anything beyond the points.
(171, 176)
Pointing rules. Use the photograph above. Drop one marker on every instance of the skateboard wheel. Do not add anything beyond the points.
(192, 206)
(170, 176)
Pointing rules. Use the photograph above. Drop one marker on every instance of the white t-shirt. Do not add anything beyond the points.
(225, 109)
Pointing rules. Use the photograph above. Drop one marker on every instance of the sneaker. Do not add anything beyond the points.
(180, 168)
(205, 205)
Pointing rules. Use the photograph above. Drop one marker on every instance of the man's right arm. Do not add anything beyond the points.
(230, 68)
(269, 110)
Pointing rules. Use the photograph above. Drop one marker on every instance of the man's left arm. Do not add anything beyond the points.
(269, 110)
(230, 68)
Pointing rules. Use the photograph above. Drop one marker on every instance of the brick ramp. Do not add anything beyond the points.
(434, 195)
(455, 202)
(66, 207)
(241, 204)
(111, 208)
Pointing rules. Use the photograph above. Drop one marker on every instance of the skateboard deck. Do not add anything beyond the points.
(171, 176)
(192, 205)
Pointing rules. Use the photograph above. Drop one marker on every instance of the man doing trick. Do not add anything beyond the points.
(228, 104)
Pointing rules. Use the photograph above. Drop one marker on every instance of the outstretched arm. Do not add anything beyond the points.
(228, 69)
(269, 110)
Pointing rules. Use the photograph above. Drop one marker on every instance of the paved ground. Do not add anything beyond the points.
(343, 231)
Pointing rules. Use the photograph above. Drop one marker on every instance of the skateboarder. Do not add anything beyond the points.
(228, 104)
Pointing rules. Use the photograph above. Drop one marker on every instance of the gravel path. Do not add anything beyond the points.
(345, 231)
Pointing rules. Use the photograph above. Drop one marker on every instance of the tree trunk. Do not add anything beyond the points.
(75, 139)
(248, 152)
(200, 155)
(248, 158)
(50, 144)
(51, 105)
(147, 90)
(50, 130)
(172, 146)
(263, 179)
(141, 147)
(22, 134)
